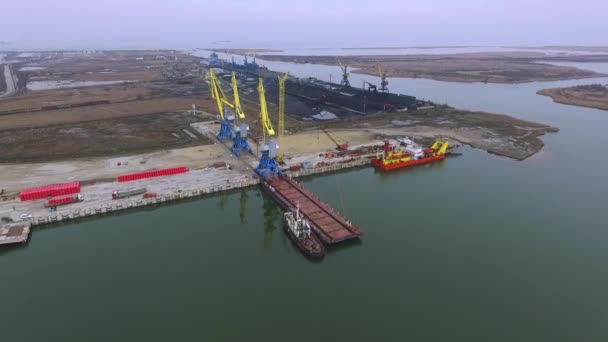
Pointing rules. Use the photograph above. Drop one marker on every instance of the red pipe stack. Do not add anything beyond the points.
(49, 191)
(153, 173)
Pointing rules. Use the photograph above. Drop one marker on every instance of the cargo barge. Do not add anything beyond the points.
(329, 226)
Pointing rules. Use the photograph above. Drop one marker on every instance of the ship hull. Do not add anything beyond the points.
(301, 243)
(400, 165)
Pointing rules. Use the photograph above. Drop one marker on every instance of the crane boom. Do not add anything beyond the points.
(237, 101)
(266, 124)
(218, 94)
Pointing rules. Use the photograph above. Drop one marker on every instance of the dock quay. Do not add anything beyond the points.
(330, 226)
(11, 233)
(97, 197)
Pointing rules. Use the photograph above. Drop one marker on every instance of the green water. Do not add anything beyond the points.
(476, 248)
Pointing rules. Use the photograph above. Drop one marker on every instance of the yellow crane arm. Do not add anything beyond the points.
(440, 147)
(264, 109)
(237, 100)
(215, 93)
(218, 94)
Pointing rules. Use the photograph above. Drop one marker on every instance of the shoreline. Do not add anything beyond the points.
(577, 96)
(497, 68)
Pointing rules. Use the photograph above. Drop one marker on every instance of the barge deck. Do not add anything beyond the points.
(330, 226)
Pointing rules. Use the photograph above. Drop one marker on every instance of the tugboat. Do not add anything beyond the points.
(301, 234)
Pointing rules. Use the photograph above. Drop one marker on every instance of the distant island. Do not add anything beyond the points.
(486, 67)
(592, 95)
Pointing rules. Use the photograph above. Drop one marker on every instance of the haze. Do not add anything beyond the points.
(183, 24)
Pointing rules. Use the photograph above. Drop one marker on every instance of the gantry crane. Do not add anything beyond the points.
(241, 129)
(268, 165)
(383, 81)
(345, 82)
(226, 117)
(282, 80)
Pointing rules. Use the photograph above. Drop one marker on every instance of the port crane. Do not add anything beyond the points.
(339, 146)
(370, 87)
(268, 165)
(282, 80)
(345, 82)
(383, 81)
(226, 116)
(240, 131)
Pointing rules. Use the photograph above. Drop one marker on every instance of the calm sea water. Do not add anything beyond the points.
(476, 248)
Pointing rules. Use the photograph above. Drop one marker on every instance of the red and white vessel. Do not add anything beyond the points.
(407, 153)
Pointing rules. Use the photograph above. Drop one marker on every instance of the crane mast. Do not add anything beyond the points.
(282, 80)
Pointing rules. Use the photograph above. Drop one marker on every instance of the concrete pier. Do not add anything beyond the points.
(11, 233)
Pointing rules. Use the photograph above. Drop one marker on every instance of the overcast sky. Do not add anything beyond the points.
(105, 24)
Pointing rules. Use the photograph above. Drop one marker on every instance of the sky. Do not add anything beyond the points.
(186, 24)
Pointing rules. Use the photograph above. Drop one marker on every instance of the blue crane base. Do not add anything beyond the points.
(225, 131)
(268, 167)
(240, 145)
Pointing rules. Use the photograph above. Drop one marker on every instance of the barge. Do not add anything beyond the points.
(329, 226)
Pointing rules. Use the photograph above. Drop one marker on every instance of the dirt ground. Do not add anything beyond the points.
(592, 96)
(99, 112)
(61, 97)
(473, 67)
(86, 139)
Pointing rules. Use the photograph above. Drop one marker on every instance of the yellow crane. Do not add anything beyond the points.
(344, 82)
(264, 117)
(237, 100)
(226, 119)
(240, 131)
(282, 80)
(383, 81)
(268, 165)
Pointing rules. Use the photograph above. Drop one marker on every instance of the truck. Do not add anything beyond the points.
(55, 202)
(125, 194)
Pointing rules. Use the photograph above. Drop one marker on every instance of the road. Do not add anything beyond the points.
(10, 82)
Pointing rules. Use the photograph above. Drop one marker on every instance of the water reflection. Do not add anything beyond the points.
(272, 216)
(243, 206)
(221, 204)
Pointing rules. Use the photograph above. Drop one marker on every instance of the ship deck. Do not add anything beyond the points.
(330, 226)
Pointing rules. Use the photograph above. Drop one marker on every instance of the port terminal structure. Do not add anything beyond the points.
(268, 165)
(240, 132)
(226, 117)
(330, 226)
